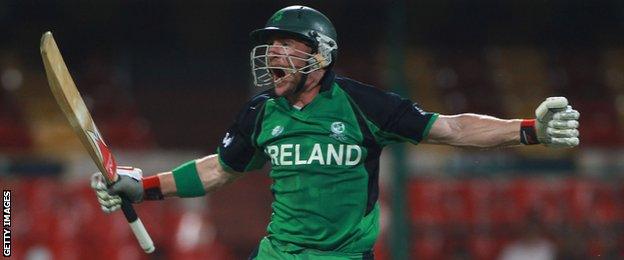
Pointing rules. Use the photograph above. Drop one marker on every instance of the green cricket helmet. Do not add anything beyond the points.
(299, 22)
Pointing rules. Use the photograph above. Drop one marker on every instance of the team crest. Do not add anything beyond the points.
(338, 129)
(277, 130)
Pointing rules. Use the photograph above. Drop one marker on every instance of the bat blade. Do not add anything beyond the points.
(71, 103)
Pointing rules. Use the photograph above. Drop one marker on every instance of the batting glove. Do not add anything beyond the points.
(128, 185)
(557, 123)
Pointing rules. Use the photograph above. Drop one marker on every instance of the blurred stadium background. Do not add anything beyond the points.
(164, 79)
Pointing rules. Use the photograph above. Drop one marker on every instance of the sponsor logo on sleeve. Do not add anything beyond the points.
(227, 140)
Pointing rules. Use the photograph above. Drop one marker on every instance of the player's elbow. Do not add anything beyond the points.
(459, 130)
(212, 174)
(445, 130)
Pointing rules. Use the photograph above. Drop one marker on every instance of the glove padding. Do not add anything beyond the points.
(128, 184)
(557, 123)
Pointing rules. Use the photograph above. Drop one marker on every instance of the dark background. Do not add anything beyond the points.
(198, 50)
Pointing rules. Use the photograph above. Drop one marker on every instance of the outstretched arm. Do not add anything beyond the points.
(555, 126)
(210, 172)
(472, 130)
(194, 179)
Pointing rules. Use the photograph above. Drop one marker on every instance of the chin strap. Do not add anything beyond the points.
(299, 88)
(322, 63)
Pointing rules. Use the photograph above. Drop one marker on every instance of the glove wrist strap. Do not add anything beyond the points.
(151, 188)
(528, 135)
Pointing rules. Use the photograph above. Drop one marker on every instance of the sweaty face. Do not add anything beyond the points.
(279, 52)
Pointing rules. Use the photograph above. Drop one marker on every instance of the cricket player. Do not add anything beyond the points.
(323, 135)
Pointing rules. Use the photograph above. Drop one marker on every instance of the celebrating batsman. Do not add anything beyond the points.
(323, 135)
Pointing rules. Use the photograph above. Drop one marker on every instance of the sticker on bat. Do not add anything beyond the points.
(104, 154)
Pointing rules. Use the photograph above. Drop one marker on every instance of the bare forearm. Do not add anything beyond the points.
(167, 184)
(211, 174)
(472, 130)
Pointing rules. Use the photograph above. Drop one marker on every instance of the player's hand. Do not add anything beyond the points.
(128, 185)
(557, 123)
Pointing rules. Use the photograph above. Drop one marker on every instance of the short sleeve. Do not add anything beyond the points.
(238, 151)
(405, 121)
(392, 118)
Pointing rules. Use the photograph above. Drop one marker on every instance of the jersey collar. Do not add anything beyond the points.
(327, 83)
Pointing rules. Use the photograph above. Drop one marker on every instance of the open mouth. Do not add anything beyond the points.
(278, 73)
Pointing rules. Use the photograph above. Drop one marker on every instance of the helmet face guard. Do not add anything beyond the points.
(296, 22)
(263, 72)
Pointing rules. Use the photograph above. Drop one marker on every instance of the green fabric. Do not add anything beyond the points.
(319, 176)
(187, 181)
(257, 161)
(267, 251)
(320, 179)
(223, 164)
(384, 138)
(429, 125)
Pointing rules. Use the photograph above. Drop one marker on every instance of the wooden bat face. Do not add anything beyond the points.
(74, 108)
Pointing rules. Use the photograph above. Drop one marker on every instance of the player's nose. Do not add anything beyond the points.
(276, 49)
(276, 53)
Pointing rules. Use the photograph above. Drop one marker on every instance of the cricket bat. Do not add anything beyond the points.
(74, 108)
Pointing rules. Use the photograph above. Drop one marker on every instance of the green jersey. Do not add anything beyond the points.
(324, 160)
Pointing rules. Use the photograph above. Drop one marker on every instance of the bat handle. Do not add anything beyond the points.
(137, 226)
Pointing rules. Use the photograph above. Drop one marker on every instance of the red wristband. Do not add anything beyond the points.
(528, 135)
(528, 122)
(151, 182)
(151, 188)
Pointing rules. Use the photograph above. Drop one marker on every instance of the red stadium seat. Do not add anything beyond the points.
(424, 198)
(428, 244)
(448, 218)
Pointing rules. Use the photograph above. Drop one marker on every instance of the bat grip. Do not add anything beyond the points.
(137, 226)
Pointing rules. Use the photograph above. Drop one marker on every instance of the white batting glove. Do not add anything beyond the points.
(129, 183)
(557, 123)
